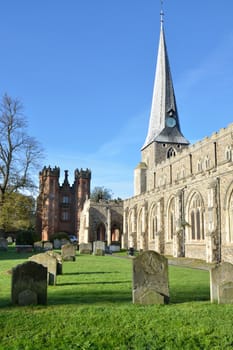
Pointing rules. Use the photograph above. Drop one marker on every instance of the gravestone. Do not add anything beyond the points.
(85, 248)
(29, 284)
(48, 261)
(221, 283)
(57, 243)
(99, 248)
(59, 260)
(38, 246)
(68, 252)
(150, 279)
(47, 246)
(64, 241)
(3, 244)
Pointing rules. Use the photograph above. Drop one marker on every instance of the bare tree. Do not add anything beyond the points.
(19, 153)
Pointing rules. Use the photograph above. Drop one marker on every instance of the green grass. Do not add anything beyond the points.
(91, 308)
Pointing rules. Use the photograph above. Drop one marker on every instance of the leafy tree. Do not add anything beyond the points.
(101, 193)
(17, 212)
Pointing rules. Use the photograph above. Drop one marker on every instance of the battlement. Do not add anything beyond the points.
(82, 174)
(48, 171)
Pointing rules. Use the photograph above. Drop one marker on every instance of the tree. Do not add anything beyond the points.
(19, 152)
(17, 212)
(101, 193)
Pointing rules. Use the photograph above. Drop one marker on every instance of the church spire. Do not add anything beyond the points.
(164, 123)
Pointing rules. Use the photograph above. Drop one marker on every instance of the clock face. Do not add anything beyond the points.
(170, 122)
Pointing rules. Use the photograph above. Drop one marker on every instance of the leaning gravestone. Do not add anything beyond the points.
(59, 260)
(85, 248)
(221, 283)
(48, 261)
(150, 279)
(29, 284)
(3, 244)
(68, 252)
(38, 246)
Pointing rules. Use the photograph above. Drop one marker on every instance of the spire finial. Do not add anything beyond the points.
(161, 12)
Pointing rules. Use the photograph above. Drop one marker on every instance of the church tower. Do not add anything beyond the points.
(164, 137)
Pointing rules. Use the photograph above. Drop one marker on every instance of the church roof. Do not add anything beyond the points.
(163, 102)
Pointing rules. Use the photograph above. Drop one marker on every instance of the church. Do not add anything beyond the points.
(183, 194)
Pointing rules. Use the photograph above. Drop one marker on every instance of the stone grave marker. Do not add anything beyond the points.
(85, 248)
(47, 246)
(68, 252)
(9, 240)
(48, 261)
(3, 244)
(150, 279)
(59, 260)
(38, 246)
(57, 243)
(98, 248)
(221, 283)
(64, 241)
(29, 284)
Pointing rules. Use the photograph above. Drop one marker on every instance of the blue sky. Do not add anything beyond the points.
(84, 70)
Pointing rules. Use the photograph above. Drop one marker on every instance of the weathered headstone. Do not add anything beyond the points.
(59, 260)
(85, 248)
(68, 252)
(38, 246)
(98, 246)
(64, 241)
(29, 284)
(48, 261)
(57, 243)
(221, 283)
(3, 244)
(150, 279)
(47, 246)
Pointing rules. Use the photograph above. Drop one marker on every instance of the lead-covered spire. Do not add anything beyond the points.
(164, 121)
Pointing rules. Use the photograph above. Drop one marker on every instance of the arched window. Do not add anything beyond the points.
(230, 215)
(171, 219)
(197, 218)
(199, 165)
(228, 153)
(171, 152)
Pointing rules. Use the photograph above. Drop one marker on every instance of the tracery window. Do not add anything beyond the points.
(171, 219)
(197, 232)
(230, 215)
(228, 153)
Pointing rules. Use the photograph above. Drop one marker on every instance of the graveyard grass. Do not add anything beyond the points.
(91, 308)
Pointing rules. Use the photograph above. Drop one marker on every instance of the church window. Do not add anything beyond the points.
(171, 219)
(230, 215)
(197, 219)
(171, 152)
(228, 153)
(207, 162)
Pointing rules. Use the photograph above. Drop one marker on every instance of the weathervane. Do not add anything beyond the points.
(161, 12)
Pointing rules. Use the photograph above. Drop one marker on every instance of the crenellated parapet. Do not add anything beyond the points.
(82, 174)
(48, 171)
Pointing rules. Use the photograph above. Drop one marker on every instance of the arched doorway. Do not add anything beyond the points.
(101, 232)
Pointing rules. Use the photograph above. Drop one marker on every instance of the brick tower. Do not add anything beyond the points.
(59, 206)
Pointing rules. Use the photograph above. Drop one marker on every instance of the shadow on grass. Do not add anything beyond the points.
(90, 283)
(90, 297)
(89, 273)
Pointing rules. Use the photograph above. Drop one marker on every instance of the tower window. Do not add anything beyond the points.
(65, 200)
(171, 152)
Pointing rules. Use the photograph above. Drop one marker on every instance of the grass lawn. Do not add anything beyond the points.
(91, 308)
